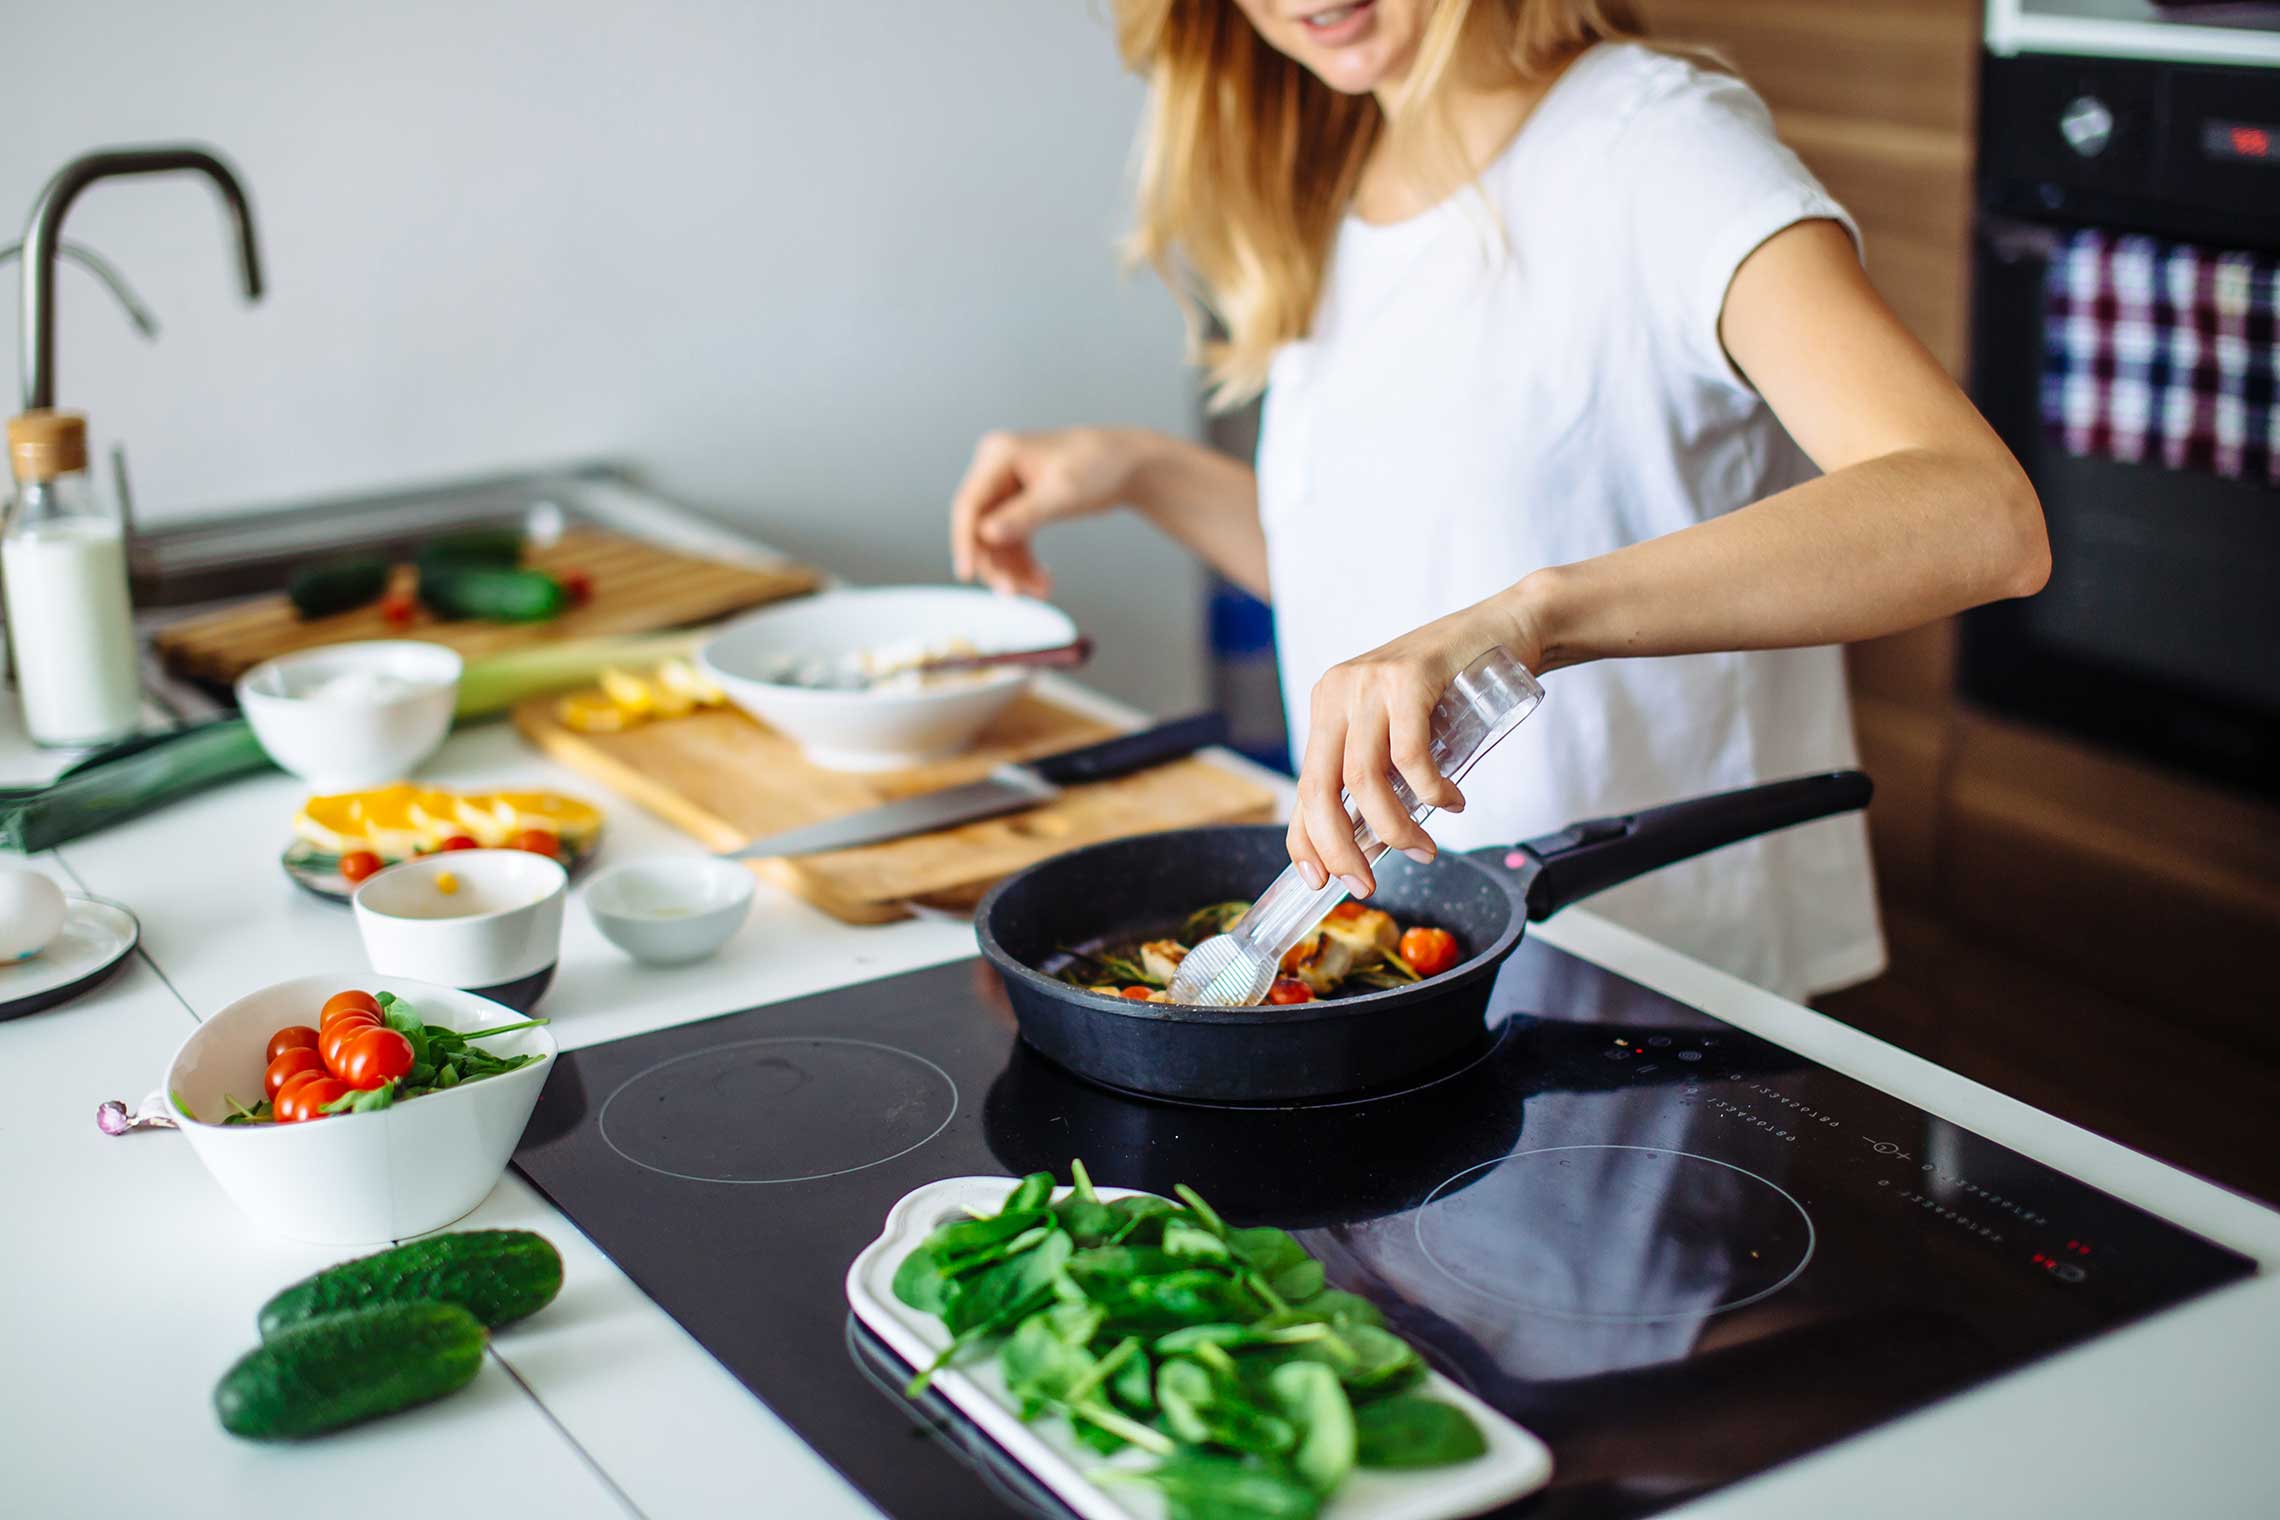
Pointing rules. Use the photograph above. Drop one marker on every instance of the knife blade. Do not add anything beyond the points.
(1008, 789)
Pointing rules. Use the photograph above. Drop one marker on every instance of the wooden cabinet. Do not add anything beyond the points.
(2084, 930)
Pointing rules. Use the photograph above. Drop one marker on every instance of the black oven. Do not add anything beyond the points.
(2160, 630)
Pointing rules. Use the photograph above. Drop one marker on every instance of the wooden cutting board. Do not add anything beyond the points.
(727, 780)
(637, 588)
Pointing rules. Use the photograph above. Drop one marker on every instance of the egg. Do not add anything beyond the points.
(31, 911)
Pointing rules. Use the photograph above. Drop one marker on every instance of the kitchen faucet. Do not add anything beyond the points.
(43, 237)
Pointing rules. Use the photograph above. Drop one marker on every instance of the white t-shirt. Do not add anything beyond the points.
(1472, 406)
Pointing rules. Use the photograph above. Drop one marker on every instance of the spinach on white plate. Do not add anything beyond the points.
(1155, 1325)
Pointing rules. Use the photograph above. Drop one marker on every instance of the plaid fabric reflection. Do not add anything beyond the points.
(2163, 352)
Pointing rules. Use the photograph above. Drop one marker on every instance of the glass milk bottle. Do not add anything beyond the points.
(64, 562)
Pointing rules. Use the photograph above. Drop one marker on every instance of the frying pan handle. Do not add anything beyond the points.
(1589, 857)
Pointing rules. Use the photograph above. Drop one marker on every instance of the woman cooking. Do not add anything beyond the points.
(1553, 334)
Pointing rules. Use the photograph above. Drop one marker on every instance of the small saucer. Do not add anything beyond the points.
(96, 938)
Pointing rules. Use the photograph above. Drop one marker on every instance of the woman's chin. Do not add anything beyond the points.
(1355, 71)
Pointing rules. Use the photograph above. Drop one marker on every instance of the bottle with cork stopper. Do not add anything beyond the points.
(63, 561)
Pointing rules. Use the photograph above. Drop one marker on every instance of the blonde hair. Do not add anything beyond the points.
(1248, 162)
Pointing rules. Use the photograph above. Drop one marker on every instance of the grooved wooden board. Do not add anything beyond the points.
(637, 588)
(727, 780)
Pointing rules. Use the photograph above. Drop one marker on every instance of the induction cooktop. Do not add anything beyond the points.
(1677, 1252)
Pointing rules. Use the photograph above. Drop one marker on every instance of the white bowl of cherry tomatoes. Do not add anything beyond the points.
(346, 1109)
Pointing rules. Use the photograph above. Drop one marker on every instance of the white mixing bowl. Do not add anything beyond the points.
(869, 730)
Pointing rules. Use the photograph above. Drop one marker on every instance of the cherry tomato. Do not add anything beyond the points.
(459, 842)
(1137, 994)
(375, 1058)
(358, 864)
(538, 842)
(397, 611)
(306, 1100)
(1289, 989)
(288, 1064)
(343, 1032)
(281, 1107)
(579, 587)
(1429, 951)
(291, 1037)
(347, 1002)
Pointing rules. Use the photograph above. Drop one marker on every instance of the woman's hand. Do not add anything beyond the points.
(1018, 482)
(1374, 714)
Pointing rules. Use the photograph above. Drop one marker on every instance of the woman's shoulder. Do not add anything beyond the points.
(1646, 91)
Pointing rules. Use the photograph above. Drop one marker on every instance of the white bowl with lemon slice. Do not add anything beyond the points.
(341, 838)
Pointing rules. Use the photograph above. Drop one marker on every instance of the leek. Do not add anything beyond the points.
(135, 776)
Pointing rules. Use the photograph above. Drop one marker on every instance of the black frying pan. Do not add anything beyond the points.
(1148, 883)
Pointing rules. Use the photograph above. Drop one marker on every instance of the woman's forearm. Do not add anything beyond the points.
(1873, 549)
(1206, 501)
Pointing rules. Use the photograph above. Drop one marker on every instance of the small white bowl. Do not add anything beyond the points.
(879, 730)
(354, 1179)
(672, 910)
(312, 718)
(497, 933)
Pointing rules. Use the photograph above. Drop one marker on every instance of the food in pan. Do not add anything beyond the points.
(1357, 949)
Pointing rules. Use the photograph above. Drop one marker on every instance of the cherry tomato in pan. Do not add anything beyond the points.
(1289, 989)
(375, 1058)
(358, 864)
(1429, 951)
(305, 1100)
(1137, 994)
(291, 1037)
(347, 1002)
(538, 842)
(288, 1065)
(459, 842)
(343, 1032)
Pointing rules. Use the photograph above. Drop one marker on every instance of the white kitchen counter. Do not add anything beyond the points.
(128, 1283)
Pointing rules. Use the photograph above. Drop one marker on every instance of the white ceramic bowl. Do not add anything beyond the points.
(668, 911)
(342, 739)
(879, 730)
(497, 933)
(354, 1179)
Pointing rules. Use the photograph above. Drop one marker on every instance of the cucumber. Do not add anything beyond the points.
(496, 1275)
(336, 585)
(499, 548)
(453, 589)
(350, 1367)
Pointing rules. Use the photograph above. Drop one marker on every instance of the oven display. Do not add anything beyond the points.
(2240, 142)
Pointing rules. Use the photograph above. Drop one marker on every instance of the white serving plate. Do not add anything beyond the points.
(1516, 1462)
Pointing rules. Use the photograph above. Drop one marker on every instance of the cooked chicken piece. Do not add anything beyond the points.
(1161, 957)
(1370, 934)
(1327, 962)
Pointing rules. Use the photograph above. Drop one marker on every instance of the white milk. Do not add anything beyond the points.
(70, 626)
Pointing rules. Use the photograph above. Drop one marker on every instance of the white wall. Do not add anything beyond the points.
(786, 259)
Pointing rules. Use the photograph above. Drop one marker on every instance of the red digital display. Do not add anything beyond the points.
(2241, 141)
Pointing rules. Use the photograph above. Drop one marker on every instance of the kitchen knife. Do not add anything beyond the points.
(1008, 789)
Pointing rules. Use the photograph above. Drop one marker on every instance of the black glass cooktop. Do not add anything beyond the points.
(1678, 1253)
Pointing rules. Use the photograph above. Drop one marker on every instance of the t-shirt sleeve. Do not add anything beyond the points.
(1709, 183)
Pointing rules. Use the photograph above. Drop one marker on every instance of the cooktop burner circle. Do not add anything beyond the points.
(1542, 1229)
(796, 1108)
